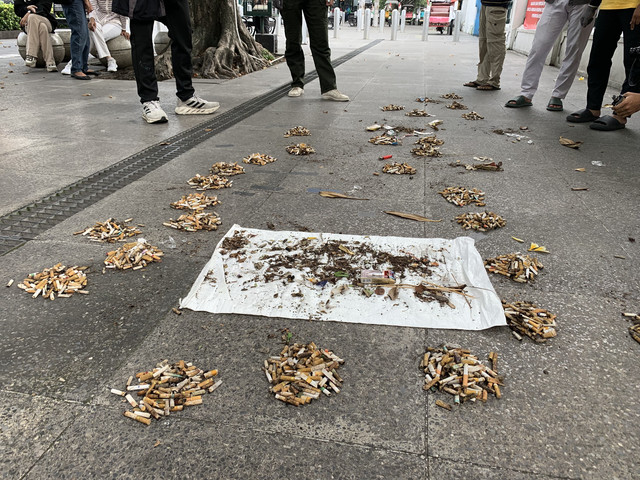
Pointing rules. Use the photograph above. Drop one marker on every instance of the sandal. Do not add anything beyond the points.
(555, 104)
(77, 76)
(582, 116)
(606, 124)
(487, 88)
(518, 102)
(472, 84)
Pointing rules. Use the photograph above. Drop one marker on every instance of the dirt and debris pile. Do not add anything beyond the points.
(418, 113)
(166, 389)
(472, 116)
(391, 107)
(298, 131)
(456, 106)
(399, 169)
(302, 373)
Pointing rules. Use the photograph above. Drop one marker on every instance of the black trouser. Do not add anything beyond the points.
(609, 25)
(315, 13)
(179, 24)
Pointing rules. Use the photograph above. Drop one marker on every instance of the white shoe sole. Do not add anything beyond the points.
(335, 99)
(195, 111)
(295, 95)
(156, 120)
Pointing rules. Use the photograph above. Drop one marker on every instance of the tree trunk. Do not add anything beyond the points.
(226, 47)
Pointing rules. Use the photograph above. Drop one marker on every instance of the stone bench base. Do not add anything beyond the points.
(56, 44)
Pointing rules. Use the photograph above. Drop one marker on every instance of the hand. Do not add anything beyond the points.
(32, 8)
(23, 20)
(630, 105)
(92, 24)
(87, 6)
(635, 19)
(588, 15)
(125, 34)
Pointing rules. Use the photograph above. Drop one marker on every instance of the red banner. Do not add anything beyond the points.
(534, 11)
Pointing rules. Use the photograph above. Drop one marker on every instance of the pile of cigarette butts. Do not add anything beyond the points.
(300, 149)
(399, 168)
(457, 106)
(259, 159)
(451, 96)
(195, 201)
(384, 140)
(430, 140)
(418, 113)
(426, 151)
(462, 196)
(456, 371)
(134, 255)
(227, 169)
(298, 131)
(110, 231)
(526, 318)
(472, 116)
(519, 268)
(634, 330)
(391, 107)
(198, 220)
(481, 222)
(209, 182)
(165, 389)
(57, 281)
(302, 373)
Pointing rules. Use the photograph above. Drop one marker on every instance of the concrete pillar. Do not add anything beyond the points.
(456, 25)
(425, 24)
(367, 21)
(336, 21)
(394, 24)
(381, 21)
(403, 19)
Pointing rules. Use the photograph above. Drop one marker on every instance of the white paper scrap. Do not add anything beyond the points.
(313, 276)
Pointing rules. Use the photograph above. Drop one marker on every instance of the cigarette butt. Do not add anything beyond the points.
(142, 414)
(176, 408)
(214, 386)
(146, 421)
(190, 402)
(10, 283)
(497, 390)
(484, 395)
(129, 380)
(444, 405)
(136, 388)
(118, 392)
(145, 376)
(211, 373)
(131, 401)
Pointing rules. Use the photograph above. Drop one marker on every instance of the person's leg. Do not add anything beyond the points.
(483, 64)
(99, 41)
(292, 17)
(631, 62)
(33, 40)
(179, 24)
(44, 30)
(605, 41)
(577, 38)
(316, 15)
(554, 16)
(77, 21)
(142, 57)
(496, 48)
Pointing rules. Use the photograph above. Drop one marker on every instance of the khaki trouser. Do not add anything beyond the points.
(38, 31)
(491, 43)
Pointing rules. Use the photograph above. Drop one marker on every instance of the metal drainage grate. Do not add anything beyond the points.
(24, 224)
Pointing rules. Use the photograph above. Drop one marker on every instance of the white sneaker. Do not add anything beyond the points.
(153, 113)
(67, 69)
(196, 106)
(112, 66)
(30, 61)
(296, 92)
(335, 95)
(52, 68)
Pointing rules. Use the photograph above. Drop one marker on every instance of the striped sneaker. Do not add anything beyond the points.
(196, 106)
(153, 113)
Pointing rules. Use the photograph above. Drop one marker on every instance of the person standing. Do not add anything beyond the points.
(74, 11)
(315, 13)
(616, 17)
(175, 15)
(38, 23)
(491, 44)
(555, 15)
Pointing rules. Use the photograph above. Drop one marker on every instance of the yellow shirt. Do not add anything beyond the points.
(618, 4)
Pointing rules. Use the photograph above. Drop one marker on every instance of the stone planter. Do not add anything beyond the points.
(161, 42)
(65, 35)
(9, 34)
(120, 49)
(56, 44)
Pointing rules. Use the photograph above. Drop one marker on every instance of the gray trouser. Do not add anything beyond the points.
(554, 17)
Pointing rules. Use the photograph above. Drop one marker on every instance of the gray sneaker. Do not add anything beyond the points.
(196, 106)
(296, 92)
(335, 95)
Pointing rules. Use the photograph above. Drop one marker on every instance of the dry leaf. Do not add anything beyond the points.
(411, 216)
(393, 293)
(569, 143)
(534, 247)
(339, 195)
(346, 250)
(518, 239)
(579, 189)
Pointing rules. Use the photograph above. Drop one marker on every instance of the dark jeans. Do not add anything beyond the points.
(79, 43)
(315, 13)
(179, 24)
(609, 25)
